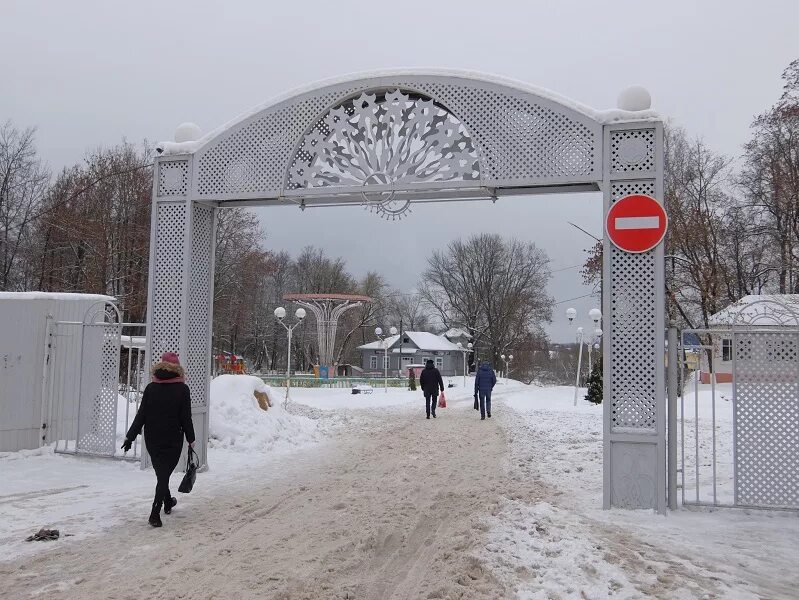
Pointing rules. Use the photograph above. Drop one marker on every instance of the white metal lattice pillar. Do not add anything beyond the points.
(180, 295)
(634, 303)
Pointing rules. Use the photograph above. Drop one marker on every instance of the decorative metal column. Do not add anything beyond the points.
(180, 295)
(634, 301)
(327, 309)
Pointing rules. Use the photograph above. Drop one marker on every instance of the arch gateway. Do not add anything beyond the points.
(387, 139)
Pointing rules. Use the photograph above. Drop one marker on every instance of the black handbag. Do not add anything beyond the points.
(191, 472)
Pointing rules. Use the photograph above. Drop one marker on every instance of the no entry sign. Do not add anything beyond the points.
(636, 223)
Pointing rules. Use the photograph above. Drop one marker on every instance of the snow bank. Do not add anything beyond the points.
(238, 423)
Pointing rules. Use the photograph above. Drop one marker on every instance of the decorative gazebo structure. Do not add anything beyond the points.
(327, 309)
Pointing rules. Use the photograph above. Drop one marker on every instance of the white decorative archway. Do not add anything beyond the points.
(387, 139)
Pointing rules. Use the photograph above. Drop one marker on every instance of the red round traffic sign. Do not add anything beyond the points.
(636, 223)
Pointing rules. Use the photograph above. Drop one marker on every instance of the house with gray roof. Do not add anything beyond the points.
(413, 348)
(763, 312)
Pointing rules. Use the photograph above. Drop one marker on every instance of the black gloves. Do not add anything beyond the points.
(127, 444)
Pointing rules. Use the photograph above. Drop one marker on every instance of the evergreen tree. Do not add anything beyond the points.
(595, 383)
(411, 381)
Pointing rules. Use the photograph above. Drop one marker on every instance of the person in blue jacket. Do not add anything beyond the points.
(484, 382)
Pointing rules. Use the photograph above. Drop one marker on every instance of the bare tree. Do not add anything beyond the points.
(770, 179)
(23, 186)
(493, 287)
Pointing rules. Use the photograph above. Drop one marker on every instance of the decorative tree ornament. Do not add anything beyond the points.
(383, 140)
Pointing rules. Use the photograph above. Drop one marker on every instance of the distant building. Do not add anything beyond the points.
(416, 348)
(763, 311)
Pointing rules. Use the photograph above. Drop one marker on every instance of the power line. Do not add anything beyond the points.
(570, 299)
(566, 268)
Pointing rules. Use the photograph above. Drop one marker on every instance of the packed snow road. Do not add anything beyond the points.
(389, 506)
(394, 510)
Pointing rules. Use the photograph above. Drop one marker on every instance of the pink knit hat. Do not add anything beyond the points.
(170, 357)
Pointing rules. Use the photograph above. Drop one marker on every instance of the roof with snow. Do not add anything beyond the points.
(421, 339)
(457, 332)
(59, 296)
(760, 310)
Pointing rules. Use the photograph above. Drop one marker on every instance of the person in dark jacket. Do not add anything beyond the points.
(484, 382)
(430, 381)
(165, 414)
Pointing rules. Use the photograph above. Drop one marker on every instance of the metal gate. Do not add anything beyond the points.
(87, 410)
(739, 411)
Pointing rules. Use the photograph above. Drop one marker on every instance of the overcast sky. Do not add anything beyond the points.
(91, 73)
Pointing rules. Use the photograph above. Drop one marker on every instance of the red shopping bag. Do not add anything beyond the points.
(442, 401)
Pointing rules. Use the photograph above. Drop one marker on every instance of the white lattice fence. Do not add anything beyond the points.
(766, 419)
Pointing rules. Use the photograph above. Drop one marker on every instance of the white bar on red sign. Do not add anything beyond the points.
(637, 222)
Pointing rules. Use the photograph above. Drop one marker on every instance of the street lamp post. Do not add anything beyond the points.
(596, 316)
(379, 334)
(465, 351)
(595, 345)
(280, 314)
(507, 365)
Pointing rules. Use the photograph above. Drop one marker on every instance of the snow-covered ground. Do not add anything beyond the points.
(544, 536)
(567, 545)
(82, 496)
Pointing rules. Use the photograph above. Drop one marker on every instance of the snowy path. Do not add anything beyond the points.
(395, 506)
(393, 512)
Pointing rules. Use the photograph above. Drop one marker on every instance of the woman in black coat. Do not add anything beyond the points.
(165, 414)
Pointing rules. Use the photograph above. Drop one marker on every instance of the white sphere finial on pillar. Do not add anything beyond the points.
(187, 132)
(634, 98)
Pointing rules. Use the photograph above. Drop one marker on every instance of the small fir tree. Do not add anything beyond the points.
(594, 393)
(411, 381)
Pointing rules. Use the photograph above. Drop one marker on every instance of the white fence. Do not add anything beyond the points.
(91, 401)
(739, 425)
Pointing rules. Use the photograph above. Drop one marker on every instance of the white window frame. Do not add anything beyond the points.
(726, 350)
(373, 361)
(439, 362)
(386, 361)
(425, 359)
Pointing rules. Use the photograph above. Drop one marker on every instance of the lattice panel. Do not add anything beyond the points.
(632, 329)
(517, 137)
(256, 157)
(632, 151)
(173, 178)
(167, 306)
(99, 396)
(198, 348)
(767, 419)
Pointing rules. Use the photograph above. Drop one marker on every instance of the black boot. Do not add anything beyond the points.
(155, 515)
(172, 502)
(489, 416)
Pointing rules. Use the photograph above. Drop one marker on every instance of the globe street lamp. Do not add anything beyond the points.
(280, 314)
(595, 345)
(379, 333)
(507, 368)
(596, 317)
(465, 351)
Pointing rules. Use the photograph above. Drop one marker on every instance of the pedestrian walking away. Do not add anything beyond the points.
(165, 415)
(484, 381)
(431, 382)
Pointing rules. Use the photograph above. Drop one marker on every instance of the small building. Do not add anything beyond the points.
(761, 311)
(27, 398)
(413, 348)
